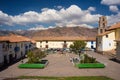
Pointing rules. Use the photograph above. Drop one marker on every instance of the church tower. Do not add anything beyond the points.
(102, 24)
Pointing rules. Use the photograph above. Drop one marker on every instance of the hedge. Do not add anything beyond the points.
(34, 66)
(90, 65)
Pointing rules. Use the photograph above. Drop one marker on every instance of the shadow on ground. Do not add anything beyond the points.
(115, 60)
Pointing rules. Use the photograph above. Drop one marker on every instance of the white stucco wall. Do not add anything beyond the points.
(22, 50)
(38, 44)
(91, 43)
(4, 51)
(108, 43)
(59, 44)
(55, 44)
(9, 49)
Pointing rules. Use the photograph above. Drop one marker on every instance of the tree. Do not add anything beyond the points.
(31, 57)
(78, 46)
(35, 56)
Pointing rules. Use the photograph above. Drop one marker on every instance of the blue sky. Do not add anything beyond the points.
(44, 14)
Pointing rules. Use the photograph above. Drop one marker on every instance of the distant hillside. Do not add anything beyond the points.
(4, 33)
(66, 31)
(56, 32)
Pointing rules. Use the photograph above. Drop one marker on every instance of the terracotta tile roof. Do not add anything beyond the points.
(105, 33)
(63, 38)
(33, 41)
(15, 38)
(3, 38)
(115, 26)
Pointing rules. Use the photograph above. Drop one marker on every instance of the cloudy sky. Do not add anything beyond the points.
(44, 14)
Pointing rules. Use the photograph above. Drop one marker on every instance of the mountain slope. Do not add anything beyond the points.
(66, 31)
(56, 32)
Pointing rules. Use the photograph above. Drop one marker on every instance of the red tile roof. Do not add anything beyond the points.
(105, 33)
(115, 26)
(15, 38)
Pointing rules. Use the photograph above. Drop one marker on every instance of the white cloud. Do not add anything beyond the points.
(81, 25)
(113, 19)
(111, 2)
(44, 9)
(91, 8)
(5, 19)
(113, 8)
(86, 25)
(71, 15)
(59, 7)
(41, 27)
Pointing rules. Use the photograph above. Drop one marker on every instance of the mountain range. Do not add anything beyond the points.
(55, 32)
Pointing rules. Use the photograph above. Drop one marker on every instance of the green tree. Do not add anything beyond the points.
(77, 45)
(35, 56)
(31, 57)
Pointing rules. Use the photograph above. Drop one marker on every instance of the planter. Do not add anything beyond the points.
(33, 66)
(39, 65)
(90, 65)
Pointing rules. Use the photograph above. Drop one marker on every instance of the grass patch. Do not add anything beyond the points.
(66, 78)
(90, 65)
(34, 66)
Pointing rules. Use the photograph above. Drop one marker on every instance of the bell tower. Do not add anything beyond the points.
(102, 24)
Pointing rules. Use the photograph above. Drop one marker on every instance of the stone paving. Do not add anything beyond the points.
(60, 65)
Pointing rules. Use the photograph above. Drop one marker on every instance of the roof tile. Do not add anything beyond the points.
(115, 26)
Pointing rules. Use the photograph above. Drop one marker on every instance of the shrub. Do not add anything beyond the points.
(77, 45)
(35, 56)
(88, 59)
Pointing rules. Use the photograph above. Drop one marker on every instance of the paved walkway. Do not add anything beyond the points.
(60, 65)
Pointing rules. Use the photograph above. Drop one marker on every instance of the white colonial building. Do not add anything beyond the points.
(105, 40)
(62, 42)
(14, 47)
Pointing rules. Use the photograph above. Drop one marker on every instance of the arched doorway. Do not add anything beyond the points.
(11, 59)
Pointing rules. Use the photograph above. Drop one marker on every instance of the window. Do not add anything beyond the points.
(46, 46)
(92, 47)
(99, 42)
(65, 46)
(64, 41)
(91, 42)
(103, 24)
(3, 46)
(116, 44)
(103, 19)
(21, 54)
(10, 46)
(109, 44)
(106, 36)
(101, 31)
(40, 46)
